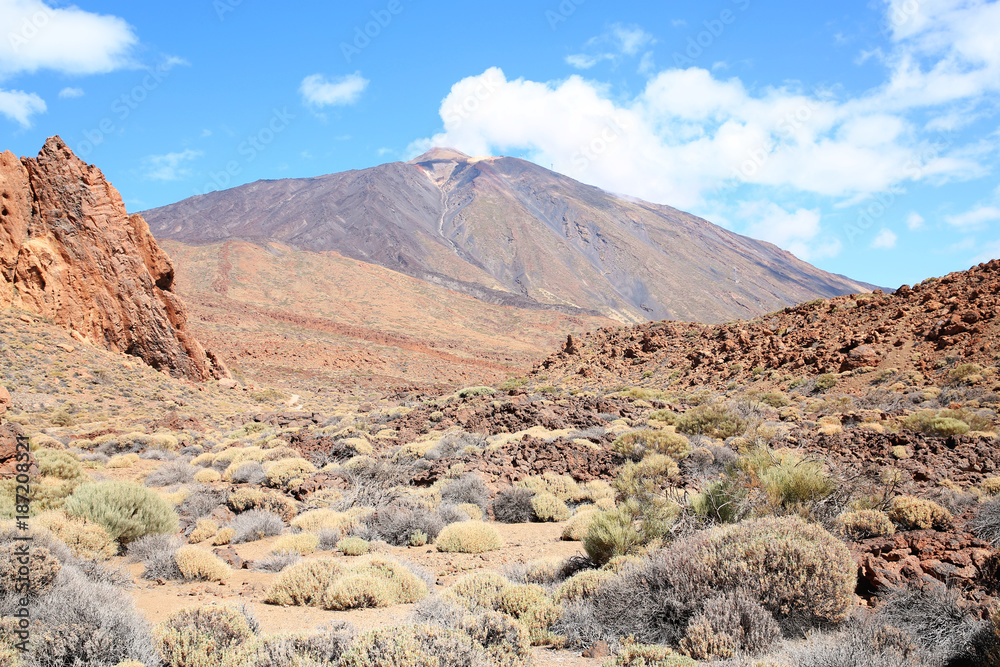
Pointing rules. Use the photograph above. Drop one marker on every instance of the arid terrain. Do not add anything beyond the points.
(383, 471)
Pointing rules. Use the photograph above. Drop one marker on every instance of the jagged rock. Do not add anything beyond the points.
(69, 251)
(4, 400)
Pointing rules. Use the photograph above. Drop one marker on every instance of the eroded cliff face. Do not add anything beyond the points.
(70, 252)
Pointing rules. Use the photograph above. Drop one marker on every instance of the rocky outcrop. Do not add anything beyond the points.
(70, 252)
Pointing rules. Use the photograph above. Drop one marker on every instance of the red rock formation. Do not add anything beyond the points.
(69, 251)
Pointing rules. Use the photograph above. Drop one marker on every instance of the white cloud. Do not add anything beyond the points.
(64, 39)
(318, 91)
(70, 93)
(977, 217)
(169, 167)
(799, 231)
(914, 221)
(692, 134)
(20, 106)
(619, 40)
(886, 240)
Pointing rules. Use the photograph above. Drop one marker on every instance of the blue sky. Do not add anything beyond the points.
(863, 136)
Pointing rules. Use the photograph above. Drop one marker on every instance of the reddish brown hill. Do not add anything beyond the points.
(70, 252)
(930, 328)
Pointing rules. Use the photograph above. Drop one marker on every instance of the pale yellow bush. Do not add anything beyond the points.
(207, 476)
(471, 537)
(473, 511)
(304, 583)
(547, 507)
(288, 473)
(204, 529)
(197, 564)
(224, 536)
(302, 544)
(246, 499)
(582, 585)
(86, 539)
(918, 514)
(123, 461)
(353, 546)
(579, 524)
(864, 524)
(373, 582)
(326, 519)
(991, 486)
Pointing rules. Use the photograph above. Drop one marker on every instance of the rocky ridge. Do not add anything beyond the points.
(70, 252)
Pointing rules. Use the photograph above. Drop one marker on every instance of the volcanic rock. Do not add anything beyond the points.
(70, 252)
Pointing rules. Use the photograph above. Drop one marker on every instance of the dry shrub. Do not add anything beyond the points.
(714, 421)
(397, 522)
(913, 513)
(125, 461)
(470, 537)
(304, 583)
(865, 524)
(288, 473)
(547, 507)
(513, 505)
(986, 523)
(468, 489)
(224, 536)
(636, 445)
(327, 519)
(728, 625)
(31, 579)
(199, 565)
(302, 544)
(204, 529)
(176, 472)
(414, 646)
(204, 636)
(579, 524)
(479, 589)
(582, 585)
(373, 582)
(207, 476)
(255, 525)
(86, 539)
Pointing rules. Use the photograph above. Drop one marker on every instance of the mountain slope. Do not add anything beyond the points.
(69, 251)
(315, 323)
(942, 329)
(510, 232)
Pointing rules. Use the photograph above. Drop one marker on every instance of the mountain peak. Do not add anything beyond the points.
(441, 155)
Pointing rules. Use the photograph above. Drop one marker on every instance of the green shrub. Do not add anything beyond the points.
(127, 510)
(714, 420)
(59, 464)
(789, 480)
(531, 606)
(776, 400)
(722, 501)
(637, 444)
(475, 391)
(913, 513)
(613, 533)
(827, 381)
(549, 508)
(579, 524)
(471, 537)
(944, 423)
(354, 546)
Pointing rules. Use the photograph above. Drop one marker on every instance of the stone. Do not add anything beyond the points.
(231, 558)
(228, 383)
(71, 253)
(4, 399)
(598, 650)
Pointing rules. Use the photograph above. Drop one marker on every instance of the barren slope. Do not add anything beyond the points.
(508, 231)
(299, 319)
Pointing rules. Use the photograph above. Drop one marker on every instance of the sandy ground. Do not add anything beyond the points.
(523, 543)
